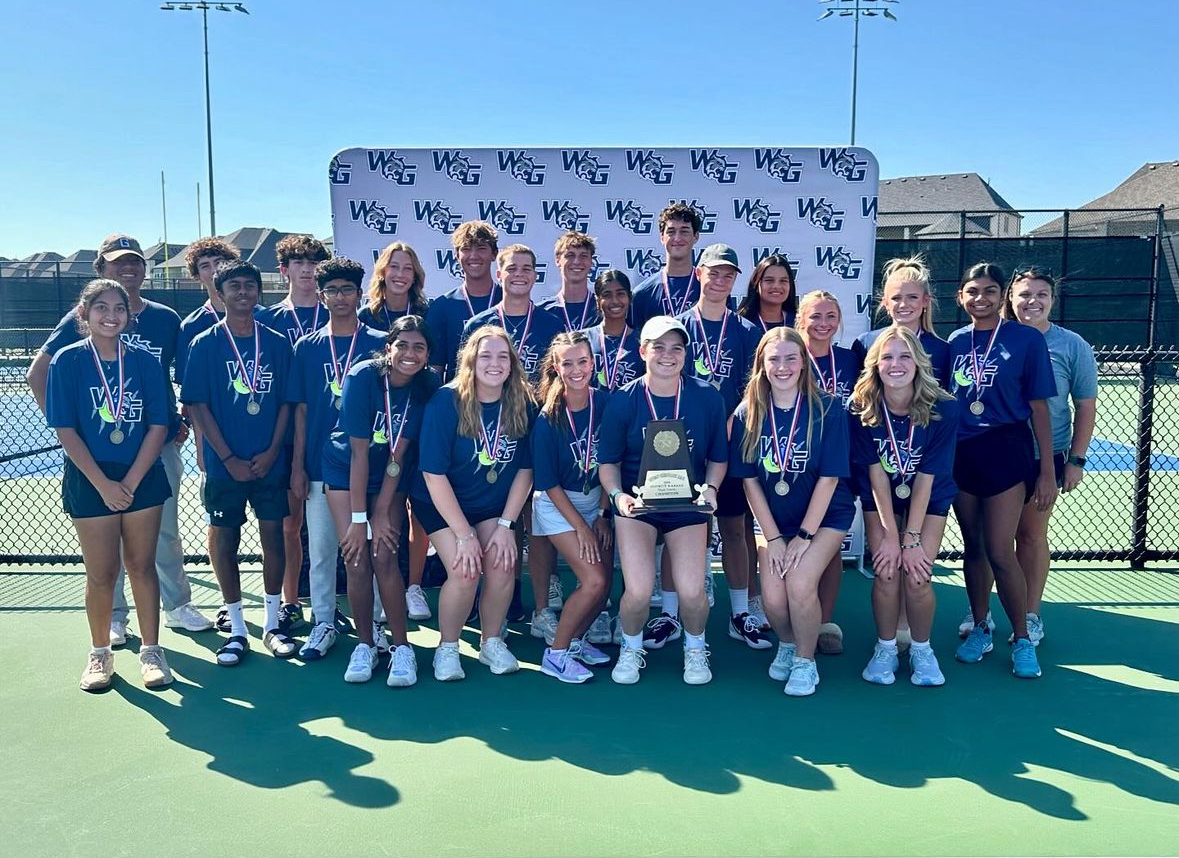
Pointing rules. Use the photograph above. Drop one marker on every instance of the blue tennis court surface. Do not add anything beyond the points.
(1111, 456)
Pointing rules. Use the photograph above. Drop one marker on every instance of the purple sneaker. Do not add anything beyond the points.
(564, 667)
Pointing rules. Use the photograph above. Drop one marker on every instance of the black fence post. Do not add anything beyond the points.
(1142, 462)
(1153, 298)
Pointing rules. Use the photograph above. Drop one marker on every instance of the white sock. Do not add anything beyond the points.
(739, 600)
(919, 645)
(558, 655)
(633, 641)
(692, 641)
(273, 603)
(237, 623)
(100, 650)
(891, 643)
(671, 603)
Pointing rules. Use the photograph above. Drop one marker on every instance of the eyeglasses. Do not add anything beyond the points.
(339, 291)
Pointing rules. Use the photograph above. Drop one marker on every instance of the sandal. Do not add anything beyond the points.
(279, 644)
(234, 650)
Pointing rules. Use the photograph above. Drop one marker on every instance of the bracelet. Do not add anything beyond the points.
(768, 541)
(916, 544)
(227, 458)
(460, 540)
(359, 517)
(711, 486)
(916, 533)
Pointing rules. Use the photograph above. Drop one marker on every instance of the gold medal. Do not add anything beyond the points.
(903, 491)
(977, 408)
(392, 469)
(117, 436)
(252, 407)
(781, 488)
(492, 476)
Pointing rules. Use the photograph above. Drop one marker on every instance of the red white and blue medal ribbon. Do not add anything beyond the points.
(684, 302)
(651, 402)
(612, 373)
(251, 383)
(114, 407)
(290, 305)
(337, 375)
(584, 458)
(713, 365)
(902, 466)
(834, 372)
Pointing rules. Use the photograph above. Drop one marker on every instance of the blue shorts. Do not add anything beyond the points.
(991, 463)
(666, 522)
(431, 519)
(80, 499)
(225, 500)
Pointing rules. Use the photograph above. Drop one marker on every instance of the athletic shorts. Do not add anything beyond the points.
(225, 500)
(991, 463)
(666, 522)
(547, 519)
(1058, 463)
(80, 499)
(433, 521)
(730, 499)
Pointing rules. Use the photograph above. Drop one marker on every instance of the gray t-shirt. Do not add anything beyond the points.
(1075, 370)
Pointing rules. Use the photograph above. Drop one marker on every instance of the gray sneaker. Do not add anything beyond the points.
(544, 625)
(599, 631)
(881, 668)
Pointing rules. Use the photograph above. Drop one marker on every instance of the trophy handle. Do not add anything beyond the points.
(638, 496)
(700, 501)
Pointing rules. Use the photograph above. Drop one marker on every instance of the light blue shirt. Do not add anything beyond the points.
(1075, 371)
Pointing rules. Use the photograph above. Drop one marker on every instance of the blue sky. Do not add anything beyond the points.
(1053, 102)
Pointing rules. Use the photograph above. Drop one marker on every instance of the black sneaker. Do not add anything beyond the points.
(222, 622)
(342, 623)
(745, 628)
(662, 630)
(290, 617)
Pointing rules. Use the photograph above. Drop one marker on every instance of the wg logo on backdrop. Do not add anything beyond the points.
(757, 214)
(392, 166)
(760, 253)
(373, 215)
(629, 215)
(436, 215)
(821, 212)
(643, 262)
(448, 261)
(712, 164)
(868, 208)
(521, 166)
(650, 166)
(586, 166)
(563, 214)
(778, 165)
(456, 166)
(839, 262)
(707, 218)
(339, 173)
(503, 216)
(843, 163)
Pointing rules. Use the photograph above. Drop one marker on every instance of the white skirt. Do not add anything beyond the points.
(547, 519)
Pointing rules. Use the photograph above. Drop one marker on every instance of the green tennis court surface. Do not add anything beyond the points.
(286, 758)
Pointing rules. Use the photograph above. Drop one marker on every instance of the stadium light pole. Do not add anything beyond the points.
(855, 9)
(204, 8)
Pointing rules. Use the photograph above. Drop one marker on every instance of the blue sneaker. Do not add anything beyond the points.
(977, 644)
(1023, 659)
(881, 669)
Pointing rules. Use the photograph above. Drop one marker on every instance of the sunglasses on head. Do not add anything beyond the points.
(1034, 272)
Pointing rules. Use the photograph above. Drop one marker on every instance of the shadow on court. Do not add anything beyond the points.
(1104, 711)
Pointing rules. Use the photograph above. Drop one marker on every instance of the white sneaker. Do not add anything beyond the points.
(118, 632)
(448, 667)
(379, 640)
(495, 654)
(544, 625)
(630, 662)
(966, 626)
(556, 593)
(657, 597)
(758, 612)
(804, 677)
(783, 662)
(416, 604)
(696, 669)
(599, 631)
(709, 588)
(361, 664)
(153, 667)
(100, 670)
(403, 667)
(322, 638)
(1035, 630)
(188, 618)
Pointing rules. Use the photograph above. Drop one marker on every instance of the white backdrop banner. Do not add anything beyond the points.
(815, 206)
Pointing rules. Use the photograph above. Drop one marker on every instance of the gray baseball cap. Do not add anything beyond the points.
(718, 254)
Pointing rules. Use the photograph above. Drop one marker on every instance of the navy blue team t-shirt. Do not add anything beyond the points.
(214, 377)
(937, 349)
(723, 364)
(314, 382)
(445, 319)
(531, 337)
(153, 329)
(465, 462)
(616, 359)
(1017, 370)
(930, 451)
(197, 322)
(836, 372)
(76, 399)
(559, 455)
(652, 298)
(574, 315)
(628, 412)
(363, 415)
(798, 462)
(293, 322)
(384, 318)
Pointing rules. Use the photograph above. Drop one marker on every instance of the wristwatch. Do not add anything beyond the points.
(506, 522)
(805, 534)
(1079, 461)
